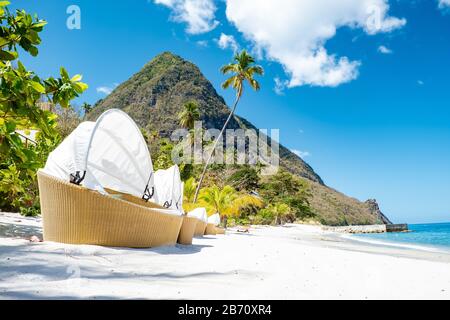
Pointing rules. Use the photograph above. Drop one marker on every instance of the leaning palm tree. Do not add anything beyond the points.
(226, 201)
(243, 69)
(189, 115)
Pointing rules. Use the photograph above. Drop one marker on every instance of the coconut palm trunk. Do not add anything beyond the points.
(219, 138)
(243, 70)
(225, 221)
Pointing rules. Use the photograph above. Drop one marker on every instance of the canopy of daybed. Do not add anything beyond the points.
(199, 213)
(214, 219)
(169, 188)
(109, 153)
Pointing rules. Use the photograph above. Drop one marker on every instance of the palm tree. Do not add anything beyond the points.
(226, 202)
(189, 115)
(189, 190)
(243, 69)
(280, 211)
(86, 108)
(188, 198)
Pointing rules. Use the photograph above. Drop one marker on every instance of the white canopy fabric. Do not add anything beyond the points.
(109, 153)
(169, 188)
(214, 219)
(199, 213)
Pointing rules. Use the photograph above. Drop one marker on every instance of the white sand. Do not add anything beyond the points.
(293, 262)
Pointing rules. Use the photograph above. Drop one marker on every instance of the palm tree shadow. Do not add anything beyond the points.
(12, 230)
(178, 249)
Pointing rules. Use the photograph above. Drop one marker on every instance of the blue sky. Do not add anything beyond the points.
(371, 114)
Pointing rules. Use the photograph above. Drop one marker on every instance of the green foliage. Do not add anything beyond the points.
(244, 179)
(226, 201)
(163, 159)
(21, 91)
(277, 213)
(189, 115)
(189, 190)
(265, 216)
(284, 188)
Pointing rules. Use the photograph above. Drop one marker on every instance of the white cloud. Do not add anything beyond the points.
(105, 90)
(198, 14)
(444, 4)
(294, 33)
(202, 43)
(301, 154)
(227, 41)
(384, 50)
(280, 86)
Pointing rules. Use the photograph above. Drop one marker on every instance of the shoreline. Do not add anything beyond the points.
(398, 244)
(286, 262)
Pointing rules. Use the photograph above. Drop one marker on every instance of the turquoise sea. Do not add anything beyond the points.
(434, 236)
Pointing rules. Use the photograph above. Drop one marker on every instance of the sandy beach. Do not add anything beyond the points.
(290, 262)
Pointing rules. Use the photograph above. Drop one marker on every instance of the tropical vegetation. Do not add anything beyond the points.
(22, 97)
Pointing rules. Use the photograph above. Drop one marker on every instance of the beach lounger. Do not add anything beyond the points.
(210, 230)
(213, 223)
(97, 187)
(187, 231)
(202, 221)
(76, 215)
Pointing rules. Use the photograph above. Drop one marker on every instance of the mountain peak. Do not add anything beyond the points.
(155, 95)
(167, 56)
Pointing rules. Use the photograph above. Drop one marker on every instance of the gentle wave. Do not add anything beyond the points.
(395, 244)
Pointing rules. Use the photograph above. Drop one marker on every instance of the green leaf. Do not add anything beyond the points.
(21, 67)
(39, 24)
(3, 41)
(80, 87)
(10, 126)
(4, 3)
(38, 87)
(64, 74)
(76, 78)
(8, 55)
(33, 51)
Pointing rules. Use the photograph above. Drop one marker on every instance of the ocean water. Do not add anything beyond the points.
(435, 236)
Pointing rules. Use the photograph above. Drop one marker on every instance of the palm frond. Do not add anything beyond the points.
(243, 68)
(254, 84)
(226, 201)
(230, 81)
(189, 190)
(256, 70)
(229, 68)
